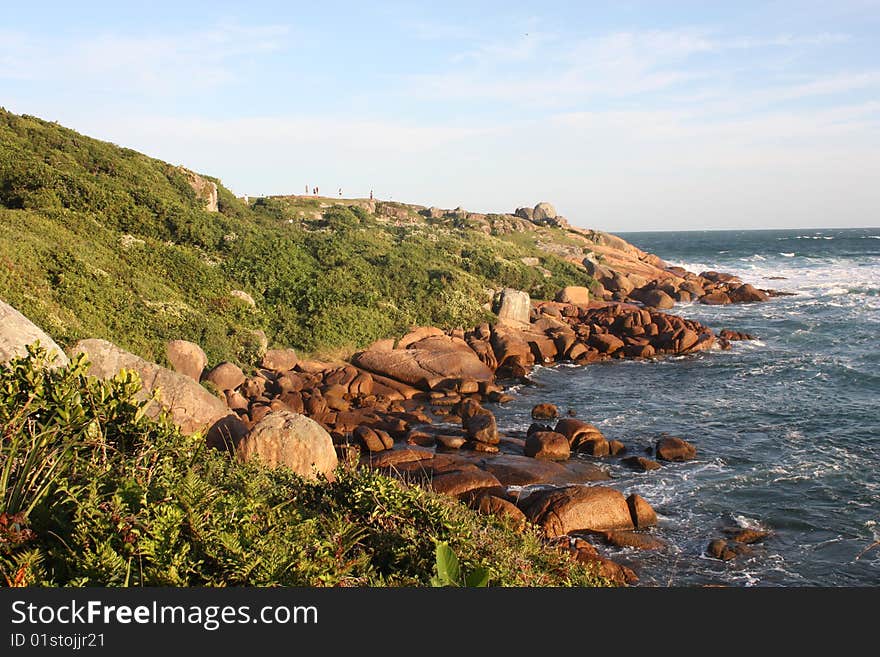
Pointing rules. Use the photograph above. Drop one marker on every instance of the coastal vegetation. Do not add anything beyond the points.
(94, 493)
(104, 242)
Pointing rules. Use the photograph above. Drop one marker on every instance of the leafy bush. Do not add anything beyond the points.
(132, 502)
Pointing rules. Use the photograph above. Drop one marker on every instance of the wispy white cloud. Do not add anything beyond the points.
(144, 63)
(545, 69)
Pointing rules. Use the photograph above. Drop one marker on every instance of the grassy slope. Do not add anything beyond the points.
(323, 278)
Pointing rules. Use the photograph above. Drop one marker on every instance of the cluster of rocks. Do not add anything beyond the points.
(679, 285)
(738, 542)
(414, 407)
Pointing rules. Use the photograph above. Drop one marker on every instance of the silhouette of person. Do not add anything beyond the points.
(371, 194)
(307, 190)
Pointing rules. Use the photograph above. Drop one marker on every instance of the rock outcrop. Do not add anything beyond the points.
(190, 406)
(17, 332)
(206, 190)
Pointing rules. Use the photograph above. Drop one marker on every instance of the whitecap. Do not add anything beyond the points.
(787, 255)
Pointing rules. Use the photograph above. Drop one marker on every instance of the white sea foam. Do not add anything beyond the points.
(787, 255)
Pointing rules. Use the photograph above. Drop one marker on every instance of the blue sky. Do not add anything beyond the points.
(627, 115)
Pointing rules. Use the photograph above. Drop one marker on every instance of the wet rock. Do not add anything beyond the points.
(547, 445)
(615, 447)
(642, 513)
(482, 428)
(672, 448)
(577, 508)
(747, 294)
(715, 299)
(734, 336)
(583, 437)
(746, 536)
(638, 540)
(718, 549)
(640, 463)
(545, 412)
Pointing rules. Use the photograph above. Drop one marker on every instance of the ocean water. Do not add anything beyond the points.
(787, 427)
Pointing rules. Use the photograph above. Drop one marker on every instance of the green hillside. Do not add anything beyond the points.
(102, 241)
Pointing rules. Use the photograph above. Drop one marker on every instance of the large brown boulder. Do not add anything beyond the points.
(671, 448)
(498, 506)
(279, 360)
(226, 376)
(606, 343)
(747, 294)
(292, 440)
(190, 406)
(545, 411)
(515, 470)
(547, 445)
(640, 463)
(637, 540)
(481, 428)
(543, 212)
(641, 512)
(654, 298)
(186, 358)
(579, 296)
(460, 482)
(425, 368)
(561, 511)
(373, 440)
(511, 347)
(618, 283)
(17, 332)
(715, 299)
(395, 457)
(583, 436)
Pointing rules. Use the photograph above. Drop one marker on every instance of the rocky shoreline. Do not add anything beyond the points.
(419, 407)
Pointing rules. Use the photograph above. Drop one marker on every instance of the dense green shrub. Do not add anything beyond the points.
(132, 502)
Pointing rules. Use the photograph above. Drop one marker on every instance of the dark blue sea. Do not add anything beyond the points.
(787, 427)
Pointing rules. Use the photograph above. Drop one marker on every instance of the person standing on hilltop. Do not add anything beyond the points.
(371, 194)
(307, 190)
(340, 192)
